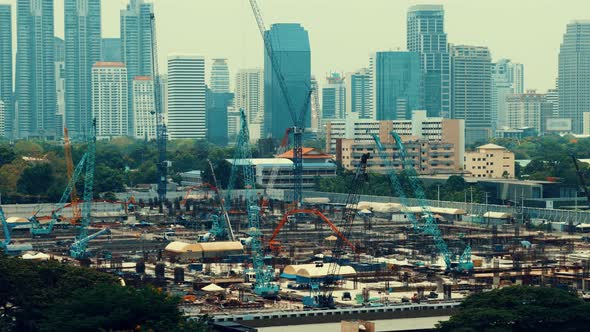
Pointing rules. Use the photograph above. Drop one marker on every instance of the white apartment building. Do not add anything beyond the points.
(186, 97)
(109, 99)
(144, 117)
(249, 96)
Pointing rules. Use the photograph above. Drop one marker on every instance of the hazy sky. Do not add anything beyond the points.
(343, 33)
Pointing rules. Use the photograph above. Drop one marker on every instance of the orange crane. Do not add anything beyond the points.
(76, 211)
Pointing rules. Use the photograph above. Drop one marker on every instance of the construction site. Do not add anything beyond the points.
(261, 257)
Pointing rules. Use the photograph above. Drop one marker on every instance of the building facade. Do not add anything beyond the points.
(359, 96)
(426, 36)
(293, 55)
(109, 99)
(249, 96)
(219, 76)
(507, 79)
(217, 105)
(525, 110)
(490, 161)
(83, 49)
(420, 127)
(472, 91)
(111, 50)
(426, 157)
(144, 108)
(397, 84)
(136, 44)
(35, 70)
(60, 85)
(574, 73)
(186, 97)
(334, 98)
(6, 97)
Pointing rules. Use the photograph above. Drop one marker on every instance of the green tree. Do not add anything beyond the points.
(36, 179)
(7, 154)
(520, 308)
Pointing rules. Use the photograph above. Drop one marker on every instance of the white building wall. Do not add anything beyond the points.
(109, 99)
(144, 117)
(186, 97)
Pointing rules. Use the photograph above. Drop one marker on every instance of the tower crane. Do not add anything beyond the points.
(161, 131)
(76, 213)
(429, 227)
(298, 127)
(78, 248)
(264, 285)
(325, 298)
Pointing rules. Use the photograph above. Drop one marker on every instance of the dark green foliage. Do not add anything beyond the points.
(36, 179)
(521, 308)
(50, 296)
(7, 154)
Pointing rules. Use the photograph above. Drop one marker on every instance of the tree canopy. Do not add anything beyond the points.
(50, 296)
(520, 308)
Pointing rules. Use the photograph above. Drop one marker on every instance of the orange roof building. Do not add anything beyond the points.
(308, 155)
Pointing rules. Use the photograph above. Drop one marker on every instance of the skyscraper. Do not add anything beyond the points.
(334, 98)
(83, 49)
(186, 97)
(219, 76)
(249, 96)
(524, 110)
(60, 85)
(507, 79)
(574, 74)
(7, 112)
(136, 44)
(292, 52)
(109, 99)
(144, 108)
(35, 69)
(472, 90)
(359, 94)
(396, 82)
(217, 105)
(111, 50)
(426, 36)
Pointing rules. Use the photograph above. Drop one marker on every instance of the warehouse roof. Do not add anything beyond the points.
(379, 207)
(316, 270)
(433, 209)
(497, 215)
(183, 247)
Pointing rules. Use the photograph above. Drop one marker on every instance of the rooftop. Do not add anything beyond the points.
(308, 153)
(491, 147)
(109, 64)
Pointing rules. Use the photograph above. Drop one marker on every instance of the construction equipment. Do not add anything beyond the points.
(429, 226)
(581, 179)
(78, 248)
(36, 228)
(220, 230)
(298, 127)
(161, 131)
(274, 245)
(263, 285)
(76, 213)
(324, 299)
(7, 244)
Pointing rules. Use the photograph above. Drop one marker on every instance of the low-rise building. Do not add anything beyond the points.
(191, 178)
(490, 161)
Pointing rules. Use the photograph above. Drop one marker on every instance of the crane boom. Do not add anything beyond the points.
(230, 231)
(76, 213)
(88, 182)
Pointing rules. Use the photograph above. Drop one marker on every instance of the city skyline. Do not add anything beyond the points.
(533, 42)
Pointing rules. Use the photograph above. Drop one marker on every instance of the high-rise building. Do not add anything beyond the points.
(334, 98)
(217, 105)
(136, 44)
(396, 84)
(144, 108)
(574, 73)
(292, 53)
(111, 50)
(6, 98)
(60, 85)
(83, 49)
(164, 95)
(426, 36)
(186, 97)
(249, 96)
(552, 97)
(35, 69)
(472, 90)
(524, 110)
(359, 94)
(507, 79)
(219, 76)
(316, 110)
(233, 123)
(109, 99)
(2, 119)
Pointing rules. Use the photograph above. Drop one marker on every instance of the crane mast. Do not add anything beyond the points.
(298, 127)
(161, 131)
(76, 213)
